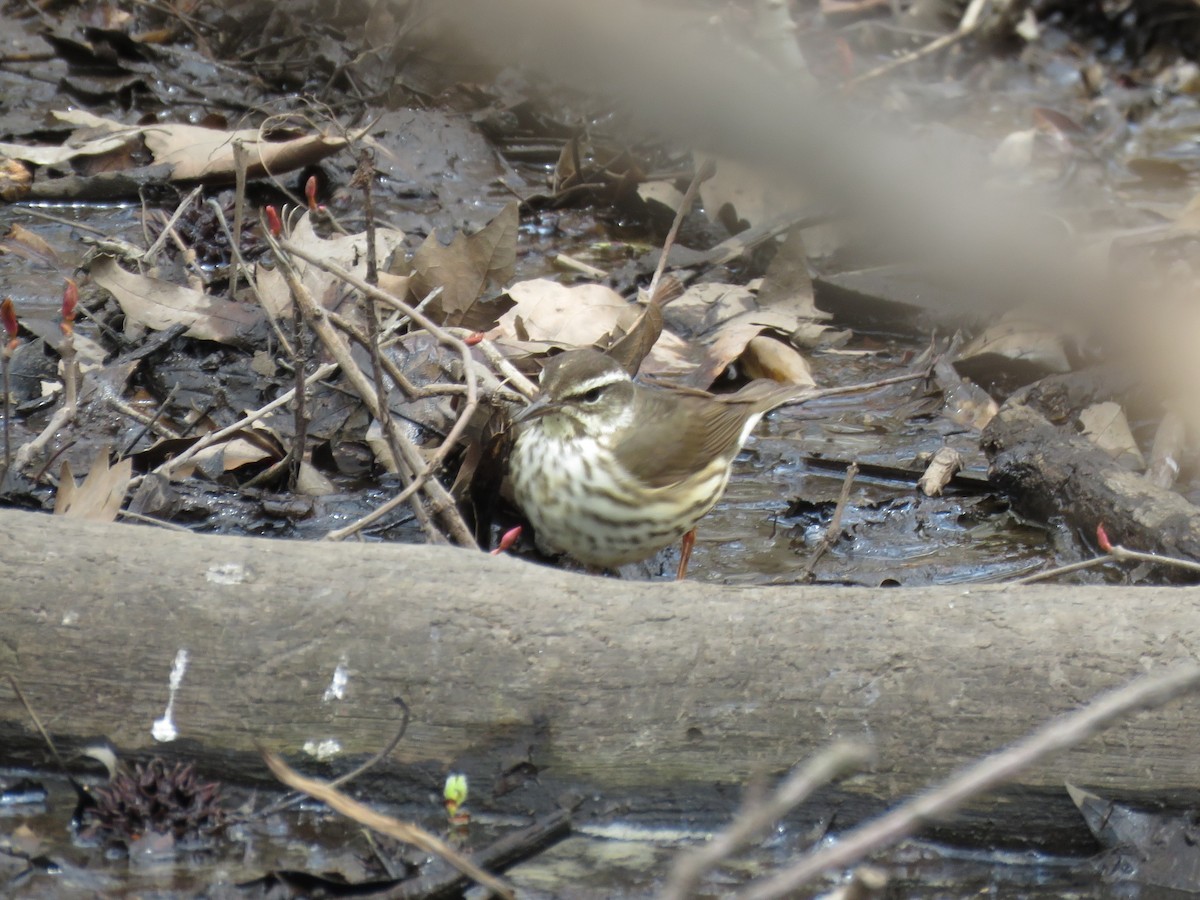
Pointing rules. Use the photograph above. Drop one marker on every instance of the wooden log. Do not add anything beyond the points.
(1053, 472)
(630, 690)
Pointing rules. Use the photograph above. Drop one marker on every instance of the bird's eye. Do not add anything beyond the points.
(591, 396)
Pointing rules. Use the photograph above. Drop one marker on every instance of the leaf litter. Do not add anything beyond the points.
(484, 271)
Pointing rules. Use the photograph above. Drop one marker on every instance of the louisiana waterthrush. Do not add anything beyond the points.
(609, 471)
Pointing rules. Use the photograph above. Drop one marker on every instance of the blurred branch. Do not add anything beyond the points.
(1065, 732)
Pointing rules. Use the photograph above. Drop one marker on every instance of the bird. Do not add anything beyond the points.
(610, 471)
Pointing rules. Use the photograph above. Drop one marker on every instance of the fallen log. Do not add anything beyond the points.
(633, 692)
(1053, 472)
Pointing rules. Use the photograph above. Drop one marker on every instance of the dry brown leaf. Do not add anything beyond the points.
(964, 402)
(1105, 424)
(75, 146)
(661, 192)
(750, 195)
(465, 267)
(766, 357)
(22, 242)
(100, 496)
(1015, 151)
(636, 344)
(196, 153)
(349, 251)
(579, 316)
(1025, 342)
(159, 304)
(726, 317)
(674, 361)
(787, 285)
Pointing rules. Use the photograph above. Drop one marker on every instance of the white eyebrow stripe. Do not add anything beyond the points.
(605, 380)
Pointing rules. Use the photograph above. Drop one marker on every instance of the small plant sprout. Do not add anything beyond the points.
(274, 224)
(310, 193)
(70, 303)
(8, 317)
(454, 795)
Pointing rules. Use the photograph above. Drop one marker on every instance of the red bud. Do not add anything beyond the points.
(70, 302)
(8, 316)
(273, 224)
(507, 541)
(472, 339)
(310, 192)
(1102, 539)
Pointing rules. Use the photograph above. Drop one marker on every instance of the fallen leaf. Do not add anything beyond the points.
(100, 496)
(1152, 848)
(740, 193)
(580, 316)
(1170, 443)
(964, 402)
(661, 192)
(787, 284)
(1015, 352)
(348, 251)
(465, 267)
(1105, 424)
(196, 153)
(158, 304)
(766, 357)
(20, 241)
(725, 318)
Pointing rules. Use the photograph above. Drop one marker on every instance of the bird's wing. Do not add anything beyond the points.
(696, 434)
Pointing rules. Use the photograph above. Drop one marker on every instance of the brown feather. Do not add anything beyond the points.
(701, 428)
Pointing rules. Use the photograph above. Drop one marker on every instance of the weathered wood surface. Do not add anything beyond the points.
(1053, 472)
(622, 687)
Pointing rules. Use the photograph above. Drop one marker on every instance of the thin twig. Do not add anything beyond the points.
(702, 175)
(404, 455)
(968, 25)
(6, 362)
(154, 249)
(578, 265)
(505, 852)
(384, 753)
(236, 258)
(755, 819)
(37, 723)
(148, 423)
(830, 537)
(401, 831)
(150, 520)
(443, 505)
(363, 176)
(1060, 734)
(25, 453)
(821, 393)
(215, 437)
(507, 370)
(240, 162)
(1124, 554)
(1062, 570)
(1116, 553)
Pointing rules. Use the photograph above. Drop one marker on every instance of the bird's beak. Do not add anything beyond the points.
(534, 410)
